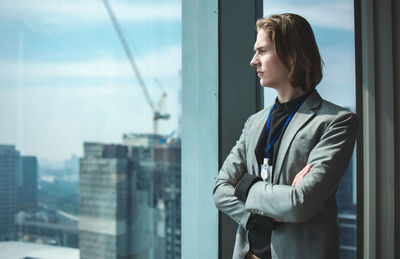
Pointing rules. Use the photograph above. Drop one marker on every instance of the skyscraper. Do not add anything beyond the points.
(158, 163)
(347, 214)
(27, 196)
(9, 167)
(113, 212)
(167, 161)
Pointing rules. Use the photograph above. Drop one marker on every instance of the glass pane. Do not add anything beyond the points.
(90, 142)
(333, 26)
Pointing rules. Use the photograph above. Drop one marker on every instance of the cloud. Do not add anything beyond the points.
(329, 14)
(72, 13)
(41, 120)
(162, 63)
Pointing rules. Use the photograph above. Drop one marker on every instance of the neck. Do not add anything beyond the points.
(289, 93)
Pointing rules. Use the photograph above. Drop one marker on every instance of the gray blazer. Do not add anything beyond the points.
(321, 134)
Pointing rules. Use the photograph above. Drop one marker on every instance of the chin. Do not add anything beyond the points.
(265, 84)
(262, 83)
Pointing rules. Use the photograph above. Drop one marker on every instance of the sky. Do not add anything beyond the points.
(65, 79)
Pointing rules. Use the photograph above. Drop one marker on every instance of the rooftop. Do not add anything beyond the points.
(21, 250)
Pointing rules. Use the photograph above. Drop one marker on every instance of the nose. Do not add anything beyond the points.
(254, 61)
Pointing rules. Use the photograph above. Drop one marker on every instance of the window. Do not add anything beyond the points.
(90, 103)
(333, 26)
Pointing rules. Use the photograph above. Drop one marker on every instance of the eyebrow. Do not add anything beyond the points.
(260, 47)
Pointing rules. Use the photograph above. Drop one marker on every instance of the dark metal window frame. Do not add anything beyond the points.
(377, 79)
(240, 94)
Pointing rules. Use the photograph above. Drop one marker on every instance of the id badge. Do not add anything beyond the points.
(266, 170)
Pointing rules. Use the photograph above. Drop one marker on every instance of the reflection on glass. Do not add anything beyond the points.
(333, 26)
(90, 143)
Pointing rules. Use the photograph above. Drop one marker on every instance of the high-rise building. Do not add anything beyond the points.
(347, 214)
(167, 161)
(130, 199)
(141, 154)
(114, 214)
(158, 169)
(27, 186)
(9, 168)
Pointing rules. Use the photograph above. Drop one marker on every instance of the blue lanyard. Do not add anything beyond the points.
(289, 118)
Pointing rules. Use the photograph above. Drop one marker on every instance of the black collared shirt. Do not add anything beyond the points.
(279, 115)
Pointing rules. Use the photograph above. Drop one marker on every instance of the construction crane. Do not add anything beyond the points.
(157, 115)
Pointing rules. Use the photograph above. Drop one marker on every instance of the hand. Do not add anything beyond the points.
(298, 178)
(301, 175)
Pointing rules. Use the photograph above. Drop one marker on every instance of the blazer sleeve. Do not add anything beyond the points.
(231, 172)
(329, 158)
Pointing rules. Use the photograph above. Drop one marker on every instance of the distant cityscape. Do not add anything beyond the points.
(117, 201)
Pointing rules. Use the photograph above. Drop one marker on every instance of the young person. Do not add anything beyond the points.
(279, 181)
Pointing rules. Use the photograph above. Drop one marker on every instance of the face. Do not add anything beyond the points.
(271, 71)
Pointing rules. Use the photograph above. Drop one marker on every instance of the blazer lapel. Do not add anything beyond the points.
(302, 116)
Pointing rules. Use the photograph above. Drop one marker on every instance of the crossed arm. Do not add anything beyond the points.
(299, 202)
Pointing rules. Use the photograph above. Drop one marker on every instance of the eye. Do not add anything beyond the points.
(262, 51)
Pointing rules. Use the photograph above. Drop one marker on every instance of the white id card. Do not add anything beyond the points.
(266, 170)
